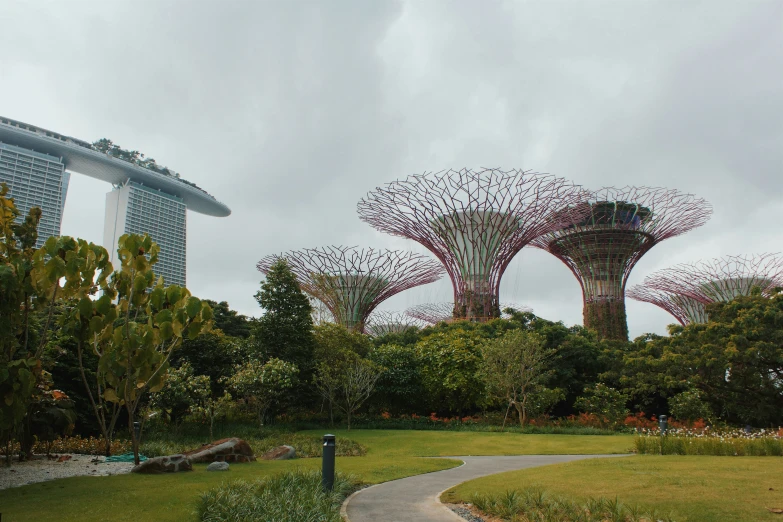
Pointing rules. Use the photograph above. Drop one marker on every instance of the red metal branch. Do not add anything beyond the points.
(352, 282)
(474, 222)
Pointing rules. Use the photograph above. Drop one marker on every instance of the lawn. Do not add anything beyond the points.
(443, 443)
(694, 489)
(391, 454)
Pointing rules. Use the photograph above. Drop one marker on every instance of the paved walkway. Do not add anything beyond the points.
(416, 498)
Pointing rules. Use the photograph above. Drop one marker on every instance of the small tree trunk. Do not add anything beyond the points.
(349, 419)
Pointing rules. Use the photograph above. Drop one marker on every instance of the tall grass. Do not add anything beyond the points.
(674, 445)
(705, 442)
(294, 496)
(532, 504)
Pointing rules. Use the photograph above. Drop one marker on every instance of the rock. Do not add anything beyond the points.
(170, 464)
(224, 450)
(218, 466)
(280, 453)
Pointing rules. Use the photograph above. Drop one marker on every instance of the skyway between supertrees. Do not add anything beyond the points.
(474, 222)
(433, 313)
(601, 249)
(383, 322)
(352, 282)
(684, 290)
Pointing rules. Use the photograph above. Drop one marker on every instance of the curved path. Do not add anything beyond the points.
(416, 498)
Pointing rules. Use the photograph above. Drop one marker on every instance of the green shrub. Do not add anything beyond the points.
(294, 496)
(605, 402)
(540, 506)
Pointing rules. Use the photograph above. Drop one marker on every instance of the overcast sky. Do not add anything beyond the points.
(290, 111)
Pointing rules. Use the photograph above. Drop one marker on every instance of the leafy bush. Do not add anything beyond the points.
(705, 442)
(294, 496)
(535, 504)
(605, 402)
(689, 405)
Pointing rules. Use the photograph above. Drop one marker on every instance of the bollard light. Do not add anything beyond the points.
(662, 424)
(327, 467)
(137, 430)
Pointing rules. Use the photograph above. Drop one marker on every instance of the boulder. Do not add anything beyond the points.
(224, 450)
(218, 466)
(170, 464)
(279, 453)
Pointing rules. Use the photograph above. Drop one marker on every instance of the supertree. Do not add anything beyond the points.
(383, 322)
(433, 313)
(475, 222)
(602, 246)
(684, 290)
(351, 282)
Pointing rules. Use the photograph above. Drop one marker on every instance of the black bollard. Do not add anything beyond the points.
(327, 467)
(663, 424)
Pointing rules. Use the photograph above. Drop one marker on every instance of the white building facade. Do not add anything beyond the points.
(133, 208)
(38, 180)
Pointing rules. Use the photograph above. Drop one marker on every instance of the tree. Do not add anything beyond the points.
(517, 368)
(450, 364)
(229, 321)
(348, 382)
(261, 384)
(183, 393)
(214, 408)
(32, 285)
(605, 402)
(134, 328)
(212, 354)
(735, 360)
(330, 338)
(285, 331)
(399, 388)
(690, 406)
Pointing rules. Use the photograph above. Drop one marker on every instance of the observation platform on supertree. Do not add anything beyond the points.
(685, 290)
(473, 221)
(352, 282)
(434, 313)
(383, 322)
(602, 238)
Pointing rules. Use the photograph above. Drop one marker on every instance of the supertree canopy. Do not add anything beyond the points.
(684, 290)
(383, 322)
(602, 245)
(351, 282)
(433, 313)
(475, 222)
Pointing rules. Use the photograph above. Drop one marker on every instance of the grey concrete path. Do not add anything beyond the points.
(416, 498)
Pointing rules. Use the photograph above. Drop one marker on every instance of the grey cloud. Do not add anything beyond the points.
(289, 112)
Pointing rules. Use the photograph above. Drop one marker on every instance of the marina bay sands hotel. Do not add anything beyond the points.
(36, 164)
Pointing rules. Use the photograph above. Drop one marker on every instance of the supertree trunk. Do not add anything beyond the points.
(607, 318)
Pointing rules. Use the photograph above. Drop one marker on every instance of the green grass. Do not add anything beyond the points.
(693, 489)
(449, 443)
(391, 454)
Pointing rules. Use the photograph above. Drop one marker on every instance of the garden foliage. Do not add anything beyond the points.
(294, 496)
